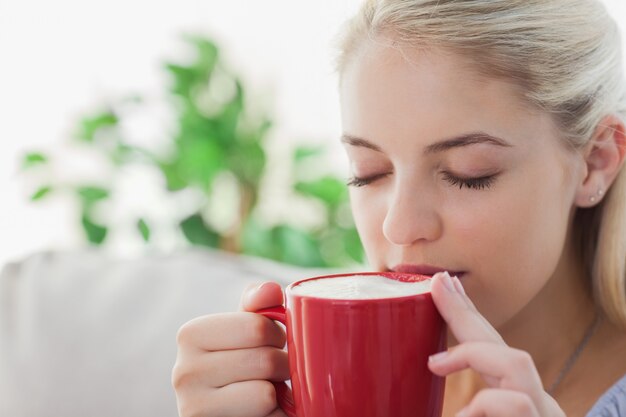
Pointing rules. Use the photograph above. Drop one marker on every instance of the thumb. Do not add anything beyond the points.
(258, 296)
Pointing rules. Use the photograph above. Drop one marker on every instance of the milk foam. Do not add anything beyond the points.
(360, 287)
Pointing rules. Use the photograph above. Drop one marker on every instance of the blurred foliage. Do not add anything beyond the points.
(215, 136)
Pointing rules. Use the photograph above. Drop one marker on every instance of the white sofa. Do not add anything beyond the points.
(83, 334)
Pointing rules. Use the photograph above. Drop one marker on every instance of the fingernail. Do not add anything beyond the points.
(251, 293)
(458, 285)
(438, 356)
(464, 412)
(447, 281)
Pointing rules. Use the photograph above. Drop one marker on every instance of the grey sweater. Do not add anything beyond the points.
(612, 403)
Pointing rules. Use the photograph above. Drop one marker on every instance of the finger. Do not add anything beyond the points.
(500, 403)
(502, 366)
(463, 319)
(277, 413)
(258, 296)
(230, 331)
(241, 399)
(217, 369)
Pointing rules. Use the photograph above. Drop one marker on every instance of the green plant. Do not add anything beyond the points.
(217, 140)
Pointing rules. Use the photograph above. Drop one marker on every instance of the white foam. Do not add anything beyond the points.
(360, 287)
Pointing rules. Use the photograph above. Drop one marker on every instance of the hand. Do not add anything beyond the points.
(225, 362)
(515, 388)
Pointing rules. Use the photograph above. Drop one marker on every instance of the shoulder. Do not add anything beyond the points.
(612, 403)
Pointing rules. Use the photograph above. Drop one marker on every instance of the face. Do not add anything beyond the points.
(451, 171)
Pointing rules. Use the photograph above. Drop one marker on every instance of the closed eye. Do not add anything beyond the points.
(479, 183)
(362, 181)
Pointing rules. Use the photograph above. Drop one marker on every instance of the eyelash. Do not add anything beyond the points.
(480, 183)
(360, 182)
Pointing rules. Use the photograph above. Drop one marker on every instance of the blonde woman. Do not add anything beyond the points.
(486, 138)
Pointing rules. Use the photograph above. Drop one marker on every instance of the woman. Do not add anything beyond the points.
(486, 138)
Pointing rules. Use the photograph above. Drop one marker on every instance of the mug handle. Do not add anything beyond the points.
(284, 395)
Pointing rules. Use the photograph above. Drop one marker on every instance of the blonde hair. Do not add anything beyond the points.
(566, 56)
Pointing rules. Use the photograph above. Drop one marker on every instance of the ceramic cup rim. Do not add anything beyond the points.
(400, 276)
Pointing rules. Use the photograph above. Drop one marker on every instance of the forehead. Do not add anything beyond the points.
(430, 93)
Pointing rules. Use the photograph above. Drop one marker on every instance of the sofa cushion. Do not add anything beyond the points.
(85, 334)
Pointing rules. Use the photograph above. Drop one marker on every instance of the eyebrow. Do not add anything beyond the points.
(444, 145)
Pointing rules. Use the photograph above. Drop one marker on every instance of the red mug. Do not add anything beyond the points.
(361, 357)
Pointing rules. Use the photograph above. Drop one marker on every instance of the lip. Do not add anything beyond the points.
(424, 270)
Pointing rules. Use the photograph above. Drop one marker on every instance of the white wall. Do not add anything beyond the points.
(59, 57)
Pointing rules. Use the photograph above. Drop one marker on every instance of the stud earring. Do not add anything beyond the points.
(600, 193)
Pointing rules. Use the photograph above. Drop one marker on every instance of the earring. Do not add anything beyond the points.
(600, 193)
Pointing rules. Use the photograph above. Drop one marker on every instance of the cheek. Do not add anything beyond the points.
(513, 242)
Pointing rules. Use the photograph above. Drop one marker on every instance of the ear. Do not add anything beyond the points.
(604, 156)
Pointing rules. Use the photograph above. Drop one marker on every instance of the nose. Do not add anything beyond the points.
(412, 216)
